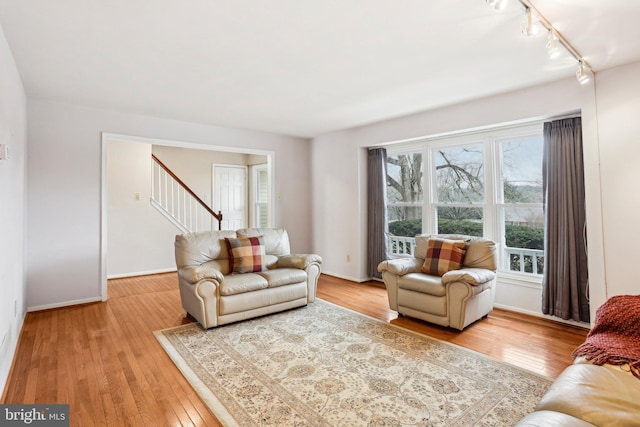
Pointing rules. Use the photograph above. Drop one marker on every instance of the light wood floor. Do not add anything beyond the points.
(103, 359)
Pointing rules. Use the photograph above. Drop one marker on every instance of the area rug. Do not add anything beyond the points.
(324, 365)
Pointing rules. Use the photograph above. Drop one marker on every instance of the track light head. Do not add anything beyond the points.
(552, 46)
(530, 27)
(583, 74)
(497, 4)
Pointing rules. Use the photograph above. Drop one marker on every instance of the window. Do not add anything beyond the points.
(261, 196)
(459, 191)
(482, 184)
(404, 200)
(520, 203)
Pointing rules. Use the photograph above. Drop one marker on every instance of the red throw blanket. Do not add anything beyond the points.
(615, 337)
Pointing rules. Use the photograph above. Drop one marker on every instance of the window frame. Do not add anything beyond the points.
(493, 204)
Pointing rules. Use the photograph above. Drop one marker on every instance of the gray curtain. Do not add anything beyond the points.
(565, 281)
(376, 209)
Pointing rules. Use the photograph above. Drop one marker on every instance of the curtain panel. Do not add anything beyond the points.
(565, 291)
(376, 209)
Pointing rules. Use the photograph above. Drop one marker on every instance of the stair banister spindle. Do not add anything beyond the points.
(188, 194)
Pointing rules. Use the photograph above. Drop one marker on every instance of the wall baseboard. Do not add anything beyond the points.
(141, 273)
(351, 279)
(543, 316)
(63, 304)
(11, 349)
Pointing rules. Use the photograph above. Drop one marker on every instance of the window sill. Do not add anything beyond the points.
(520, 279)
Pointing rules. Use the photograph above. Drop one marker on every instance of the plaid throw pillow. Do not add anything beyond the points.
(443, 255)
(246, 255)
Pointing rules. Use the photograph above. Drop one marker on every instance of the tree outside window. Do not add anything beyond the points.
(459, 191)
(404, 200)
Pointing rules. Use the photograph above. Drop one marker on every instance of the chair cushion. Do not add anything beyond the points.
(418, 282)
(246, 254)
(443, 255)
(472, 276)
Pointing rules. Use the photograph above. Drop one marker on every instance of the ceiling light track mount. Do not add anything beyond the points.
(535, 23)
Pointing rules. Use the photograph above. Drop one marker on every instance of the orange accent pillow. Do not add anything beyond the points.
(443, 255)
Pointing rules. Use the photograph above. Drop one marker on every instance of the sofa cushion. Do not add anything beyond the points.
(552, 419)
(596, 394)
(246, 254)
(283, 276)
(240, 283)
(425, 284)
(276, 240)
(443, 255)
(200, 247)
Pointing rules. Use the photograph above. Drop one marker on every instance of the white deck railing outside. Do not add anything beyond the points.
(402, 246)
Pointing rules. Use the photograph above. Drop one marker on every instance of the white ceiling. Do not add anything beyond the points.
(299, 67)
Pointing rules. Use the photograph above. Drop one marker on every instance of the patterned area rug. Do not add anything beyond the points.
(324, 365)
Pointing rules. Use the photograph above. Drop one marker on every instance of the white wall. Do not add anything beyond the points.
(339, 226)
(193, 167)
(339, 197)
(139, 238)
(13, 132)
(64, 194)
(618, 95)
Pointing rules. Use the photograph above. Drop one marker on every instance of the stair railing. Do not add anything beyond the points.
(178, 203)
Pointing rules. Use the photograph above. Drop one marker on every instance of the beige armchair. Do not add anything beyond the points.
(451, 297)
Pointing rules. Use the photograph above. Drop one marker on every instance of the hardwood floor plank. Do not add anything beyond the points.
(103, 359)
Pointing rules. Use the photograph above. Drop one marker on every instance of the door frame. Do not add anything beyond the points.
(108, 136)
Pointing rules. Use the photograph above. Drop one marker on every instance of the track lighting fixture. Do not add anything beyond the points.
(497, 4)
(582, 73)
(536, 24)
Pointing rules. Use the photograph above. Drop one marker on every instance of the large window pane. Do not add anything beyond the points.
(404, 201)
(522, 170)
(453, 220)
(524, 239)
(404, 178)
(459, 174)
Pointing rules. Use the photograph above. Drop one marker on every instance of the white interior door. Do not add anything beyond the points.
(230, 195)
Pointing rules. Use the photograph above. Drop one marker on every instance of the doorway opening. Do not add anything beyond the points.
(127, 234)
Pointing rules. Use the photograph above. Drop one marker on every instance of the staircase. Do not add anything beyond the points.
(178, 203)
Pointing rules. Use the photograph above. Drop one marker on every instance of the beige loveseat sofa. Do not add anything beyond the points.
(457, 298)
(214, 294)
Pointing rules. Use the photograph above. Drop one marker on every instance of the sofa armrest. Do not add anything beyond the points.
(193, 274)
(472, 276)
(301, 261)
(401, 266)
